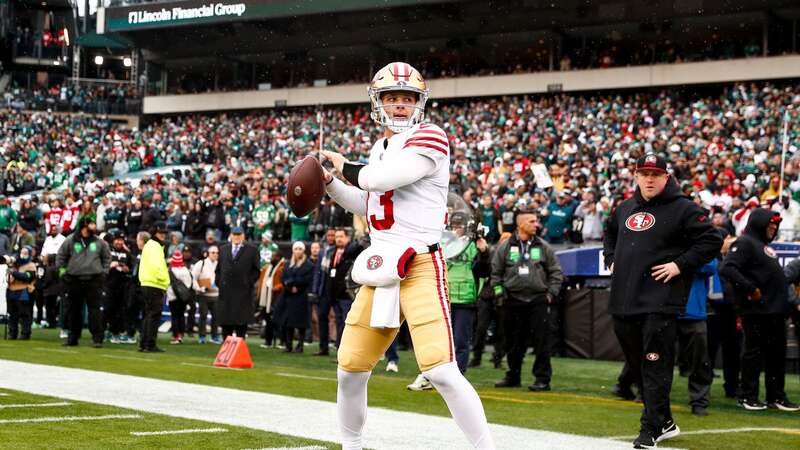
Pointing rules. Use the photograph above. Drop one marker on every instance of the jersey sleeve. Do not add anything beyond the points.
(431, 141)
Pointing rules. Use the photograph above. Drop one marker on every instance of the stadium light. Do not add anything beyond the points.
(127, 62)
(98, 60)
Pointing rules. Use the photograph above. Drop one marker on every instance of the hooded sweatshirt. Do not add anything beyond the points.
(642, 234)
(751, 263)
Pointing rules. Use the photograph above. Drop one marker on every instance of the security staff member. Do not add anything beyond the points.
(655, 242)
(84, 261)
(752, 267)
(526, 278)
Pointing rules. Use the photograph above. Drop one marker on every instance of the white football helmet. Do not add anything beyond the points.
(397, 76)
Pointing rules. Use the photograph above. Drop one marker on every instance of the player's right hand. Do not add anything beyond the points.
(756, 295)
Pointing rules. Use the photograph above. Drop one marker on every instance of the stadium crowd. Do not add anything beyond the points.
(723, 144)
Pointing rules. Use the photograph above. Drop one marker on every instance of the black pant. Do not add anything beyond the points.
(648, 342)
(190, 316)
(288, 335)
(87, 293)
(207, 305)
(240, 330)
(19, 316)
(50, 310)
(693, 345)
(722, 332)
(764, 347)
(114, 307)
(522, 319)
(177, 312)
(340, 308)
(134, 310)
(626, 378)
(487, 312)
(153, 303)
(463, 318)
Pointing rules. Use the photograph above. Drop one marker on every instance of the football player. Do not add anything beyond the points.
(403, 194)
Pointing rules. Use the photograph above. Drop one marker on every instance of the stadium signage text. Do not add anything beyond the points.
(178, 13)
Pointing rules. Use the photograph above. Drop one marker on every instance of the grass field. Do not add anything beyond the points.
(37, 422)
(579, 404)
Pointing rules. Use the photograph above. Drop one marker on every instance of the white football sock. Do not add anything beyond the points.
(351, 402)
(463, 402)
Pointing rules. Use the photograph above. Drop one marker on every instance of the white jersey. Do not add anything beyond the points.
(414, 214)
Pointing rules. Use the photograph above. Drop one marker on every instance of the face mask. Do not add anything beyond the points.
(24, 259)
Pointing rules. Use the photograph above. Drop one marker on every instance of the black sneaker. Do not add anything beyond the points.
(645, 440)
(784, 405)
(625, 393)
(668, 431)
(539, 387)
(507, 383)
(699, 411)
(752, 405)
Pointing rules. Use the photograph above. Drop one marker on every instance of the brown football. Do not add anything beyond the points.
(305, 187)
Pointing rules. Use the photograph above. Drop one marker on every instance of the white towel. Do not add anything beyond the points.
(383, 267)
(386, 307)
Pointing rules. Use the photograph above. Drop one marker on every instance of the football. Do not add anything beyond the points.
(305, 187)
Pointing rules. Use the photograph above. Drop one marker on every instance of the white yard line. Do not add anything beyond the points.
(162, 433)
(209, 366)
(3, 394)
(307, 377)
(72, 418)
(385, 429)
(34, 405)
(128, 358)
(724, 430)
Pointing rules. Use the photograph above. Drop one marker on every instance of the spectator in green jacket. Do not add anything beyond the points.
(559, 219)
(8, 217)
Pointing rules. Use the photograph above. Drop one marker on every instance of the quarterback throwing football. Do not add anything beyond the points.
(403, 194)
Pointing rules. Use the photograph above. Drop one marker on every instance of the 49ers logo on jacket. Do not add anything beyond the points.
(640, 221)
(374, 262)
(770, 251)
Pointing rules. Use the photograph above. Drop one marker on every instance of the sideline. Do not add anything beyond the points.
(256, 410)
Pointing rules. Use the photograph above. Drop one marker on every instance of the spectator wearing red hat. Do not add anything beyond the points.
(178, 295)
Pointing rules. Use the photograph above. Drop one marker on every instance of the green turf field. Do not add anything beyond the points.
(579, 403)
(36, 422)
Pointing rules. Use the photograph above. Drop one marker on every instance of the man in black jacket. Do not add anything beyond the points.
(333, 293)
(762, 301)
(84, 260)
(655, 242)
(117, 286)
(526, 278)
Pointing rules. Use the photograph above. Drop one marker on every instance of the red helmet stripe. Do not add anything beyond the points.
(407, 70)
(395, 72)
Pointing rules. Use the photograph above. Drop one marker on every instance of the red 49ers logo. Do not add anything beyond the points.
(374, 262)
(770, 251)
(640, 221)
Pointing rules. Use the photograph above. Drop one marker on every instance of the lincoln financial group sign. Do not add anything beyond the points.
(177, 13)
(194, 12)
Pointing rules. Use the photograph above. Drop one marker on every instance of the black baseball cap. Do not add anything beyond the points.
(651, 162)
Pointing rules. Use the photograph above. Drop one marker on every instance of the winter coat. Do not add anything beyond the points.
(236, 279)
(295, 310)
(751, 263)
(642, 234)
